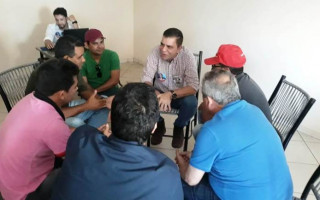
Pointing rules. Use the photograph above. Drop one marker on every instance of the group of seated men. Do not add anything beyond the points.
(237, 153)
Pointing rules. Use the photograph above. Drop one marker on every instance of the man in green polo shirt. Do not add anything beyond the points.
(102, 67)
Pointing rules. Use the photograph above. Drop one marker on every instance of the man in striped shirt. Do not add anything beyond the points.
(171, 69)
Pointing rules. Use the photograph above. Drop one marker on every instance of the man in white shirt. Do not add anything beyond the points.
(63, 22)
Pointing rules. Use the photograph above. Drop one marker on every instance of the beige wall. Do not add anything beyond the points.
(24, 23)
(278, 37)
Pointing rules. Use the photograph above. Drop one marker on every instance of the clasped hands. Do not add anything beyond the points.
(164, 100)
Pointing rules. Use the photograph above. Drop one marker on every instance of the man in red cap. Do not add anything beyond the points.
(102, 67)
(231, 57)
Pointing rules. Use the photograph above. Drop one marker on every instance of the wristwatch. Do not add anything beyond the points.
(174, 95)
(74, 22)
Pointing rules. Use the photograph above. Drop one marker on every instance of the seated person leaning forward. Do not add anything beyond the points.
(91, 108)
(120, 166)
(102, 67)
(63, 22)
(176, 82)
(34, 132)
(230, 57)
(238, 147)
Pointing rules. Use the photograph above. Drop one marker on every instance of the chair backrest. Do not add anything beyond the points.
(198, 57)
(289, 104)
(312, 185)
(13, 83)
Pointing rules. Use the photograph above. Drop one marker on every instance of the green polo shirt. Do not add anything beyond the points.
(109, 61)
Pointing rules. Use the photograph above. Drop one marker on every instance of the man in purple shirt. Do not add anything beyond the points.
(171, 69)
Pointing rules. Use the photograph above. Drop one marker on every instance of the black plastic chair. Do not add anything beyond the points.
(187, 135)
(13, 83)
(289, 104)
(312, 185)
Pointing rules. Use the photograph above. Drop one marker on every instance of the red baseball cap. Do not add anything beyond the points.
(93, 34)
(229, 55)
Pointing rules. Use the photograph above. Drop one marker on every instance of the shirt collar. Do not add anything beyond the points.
(44, 98)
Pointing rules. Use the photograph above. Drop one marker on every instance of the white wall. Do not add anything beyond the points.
(24, 23)
(278, 37)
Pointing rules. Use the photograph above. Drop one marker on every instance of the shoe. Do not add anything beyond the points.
(158, 133)
(177, 140)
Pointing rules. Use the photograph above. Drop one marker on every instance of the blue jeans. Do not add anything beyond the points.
(187, 108)
(94, 118)
(202, 191)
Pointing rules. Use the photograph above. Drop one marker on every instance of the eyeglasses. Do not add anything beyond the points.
(98, 69)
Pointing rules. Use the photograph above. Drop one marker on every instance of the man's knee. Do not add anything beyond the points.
(190, 102)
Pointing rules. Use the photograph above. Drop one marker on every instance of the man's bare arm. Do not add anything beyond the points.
(93, 103)
(189, 174)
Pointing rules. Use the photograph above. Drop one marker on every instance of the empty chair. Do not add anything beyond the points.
(198, 57)
(289, 104)
(13, 83)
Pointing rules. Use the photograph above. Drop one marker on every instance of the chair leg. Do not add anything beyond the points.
(186, 137)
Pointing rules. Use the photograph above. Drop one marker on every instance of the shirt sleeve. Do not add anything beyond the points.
(82, 86)
(115, 62)
(83, 70)
(49, 33)
(206, 150)
(151, 67)
(58, 134)
(191, 75)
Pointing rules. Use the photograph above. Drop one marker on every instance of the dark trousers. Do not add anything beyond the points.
(187, 107)
(201, 191)
(43, 192)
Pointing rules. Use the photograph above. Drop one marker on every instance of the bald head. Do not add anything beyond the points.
(221, 86)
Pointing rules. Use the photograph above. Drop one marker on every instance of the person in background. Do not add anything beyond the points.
(102, 67)
(63, 22)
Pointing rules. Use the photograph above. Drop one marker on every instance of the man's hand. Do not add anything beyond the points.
(164, 101)
(105, 130)
(95, 103)
(182, 160)
(109, 102)
(48, 44)
(72, 18)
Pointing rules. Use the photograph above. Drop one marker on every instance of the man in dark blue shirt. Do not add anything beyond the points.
(119, 166)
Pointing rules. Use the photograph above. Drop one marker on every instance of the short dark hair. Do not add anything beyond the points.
(55, 75)
(65, 46)
(60, 11)
(174, 32)
(134, 112)
(234, 71)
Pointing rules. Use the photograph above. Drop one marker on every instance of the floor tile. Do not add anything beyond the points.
(300, 174)
(315, 149)
(296, 137)
(298, 151)
(309, 138)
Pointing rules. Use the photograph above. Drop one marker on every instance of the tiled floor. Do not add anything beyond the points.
(303, 151)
